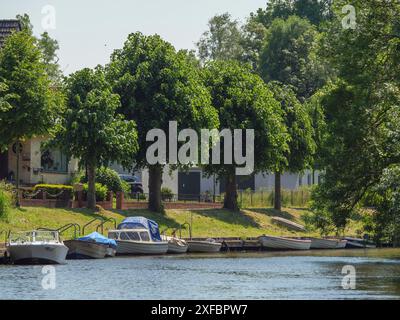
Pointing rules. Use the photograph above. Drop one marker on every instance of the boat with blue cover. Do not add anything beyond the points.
(92, 246)
(137, 236)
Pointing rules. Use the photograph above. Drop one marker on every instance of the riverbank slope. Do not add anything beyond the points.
(206, 223)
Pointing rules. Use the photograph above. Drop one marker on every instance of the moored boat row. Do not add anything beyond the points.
(141, 236)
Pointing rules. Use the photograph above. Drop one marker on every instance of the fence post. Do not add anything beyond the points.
(251, 198)
(120, 200)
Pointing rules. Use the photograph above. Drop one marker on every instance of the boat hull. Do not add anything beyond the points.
(177, 248)
(46, 253)
(342, 244)
(325, 243)
(78, 249)
(203, 246)
(141, 247)
(278, 243)
(111, 252)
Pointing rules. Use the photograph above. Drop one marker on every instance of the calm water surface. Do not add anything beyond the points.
(299, 275)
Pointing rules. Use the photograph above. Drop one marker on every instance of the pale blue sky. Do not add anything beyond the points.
(89, 30)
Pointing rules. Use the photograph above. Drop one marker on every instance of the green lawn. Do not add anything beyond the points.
(206, 223)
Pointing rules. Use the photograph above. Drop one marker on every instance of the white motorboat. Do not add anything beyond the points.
(317, 243)
(176, 245)
(92, 246)
(209, 245)
(138, 235)
(282, 243)
(36, 247)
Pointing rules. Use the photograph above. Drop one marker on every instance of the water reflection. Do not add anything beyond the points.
(272, 275)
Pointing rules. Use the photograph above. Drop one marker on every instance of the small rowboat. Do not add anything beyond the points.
(209, 245)
(317, 243)
(355, 243)
(176, 245)
(281, 243)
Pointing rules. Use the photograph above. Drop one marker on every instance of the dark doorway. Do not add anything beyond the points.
(3, 165)
(188, 185)
(243, 182)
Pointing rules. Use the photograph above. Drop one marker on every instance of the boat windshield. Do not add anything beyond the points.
(145, 236)
(32, 236)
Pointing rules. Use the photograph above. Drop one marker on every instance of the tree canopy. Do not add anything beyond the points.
(361, 107)
(287, 56)
(157, 85)
(32, 104)
(244, 101)
(90, 129)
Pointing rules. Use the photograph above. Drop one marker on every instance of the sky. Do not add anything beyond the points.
(89, 30)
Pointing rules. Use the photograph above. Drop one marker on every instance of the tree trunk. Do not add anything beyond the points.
(277, 202)
(230, 200)
(155, 181)
(91, 194)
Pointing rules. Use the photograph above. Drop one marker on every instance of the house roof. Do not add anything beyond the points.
(7, 27)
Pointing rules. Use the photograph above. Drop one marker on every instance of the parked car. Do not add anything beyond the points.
(133, 181)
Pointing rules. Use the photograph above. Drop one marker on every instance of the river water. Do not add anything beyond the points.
(277, 275)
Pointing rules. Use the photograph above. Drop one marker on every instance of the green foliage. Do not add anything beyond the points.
(48, 47)
(166, 194)
(101, 191)
(222, 41)
(363, 119)
(61, 191)
(385, 198)
(90, 129)
(32, 103)
(287, 56)
(157, 87)
(109, 178)
(243, 101)
(299, 127)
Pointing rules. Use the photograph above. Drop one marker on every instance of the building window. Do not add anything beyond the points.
(54, 161)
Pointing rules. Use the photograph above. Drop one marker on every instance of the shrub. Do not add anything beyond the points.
(166, 194)
(109, 178)
(58, 191)
(101, 191)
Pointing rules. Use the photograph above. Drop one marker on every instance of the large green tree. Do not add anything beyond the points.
(49, 48)
(32, 103)
(317, 12)
(222, 40)
(362, 113)
(299, 127)
(158, 85)
(288, 56)
(90, 129)
(244, 102)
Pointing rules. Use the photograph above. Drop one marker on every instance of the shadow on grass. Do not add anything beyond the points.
(274, 213)
(235, 218)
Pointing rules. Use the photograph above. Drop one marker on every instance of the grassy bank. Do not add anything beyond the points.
(206, 223)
